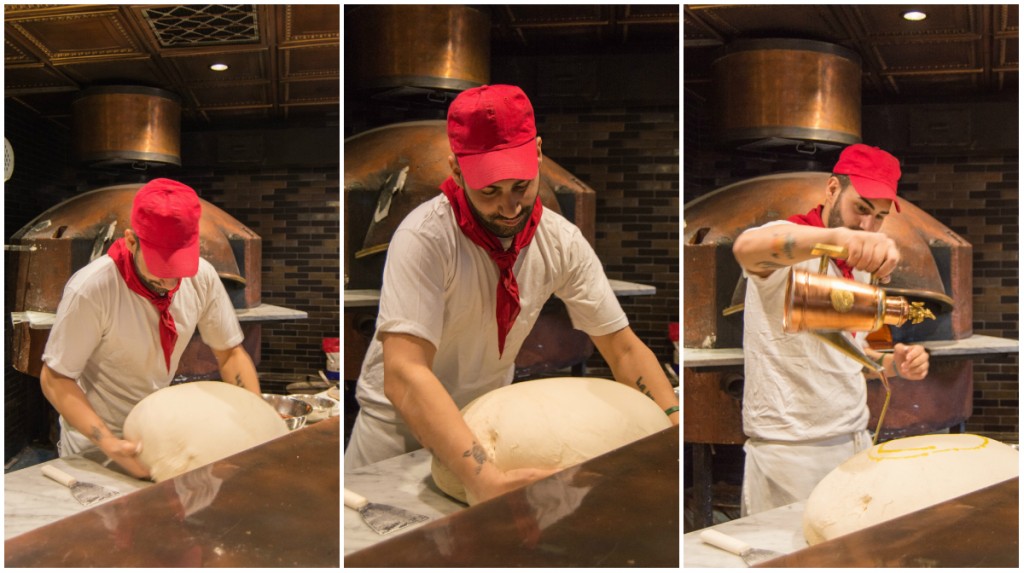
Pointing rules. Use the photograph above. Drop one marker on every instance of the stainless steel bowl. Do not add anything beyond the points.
(292, 410)
(323, 407)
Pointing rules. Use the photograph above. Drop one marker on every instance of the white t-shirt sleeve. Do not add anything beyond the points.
(218, 323)
(75, 334)
(586, 292)
(412, 298)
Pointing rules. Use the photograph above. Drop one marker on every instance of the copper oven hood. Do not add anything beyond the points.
(814, 104)
(127, 125)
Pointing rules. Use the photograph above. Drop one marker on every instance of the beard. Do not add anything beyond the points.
(496, 225)
(835, 219)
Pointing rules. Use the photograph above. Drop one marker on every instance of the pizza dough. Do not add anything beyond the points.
(554, 423)
(186, 426)
(902, 476)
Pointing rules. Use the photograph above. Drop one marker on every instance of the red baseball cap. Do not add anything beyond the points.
(165, 218)
(872, 171)
(492, 133)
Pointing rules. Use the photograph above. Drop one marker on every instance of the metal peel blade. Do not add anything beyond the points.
(383, 519)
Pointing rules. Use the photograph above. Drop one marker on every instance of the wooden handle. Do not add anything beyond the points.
(354, 500)
(723, 541)
(59, 476)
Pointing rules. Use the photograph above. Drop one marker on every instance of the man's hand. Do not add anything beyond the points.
(125, 453)
(911, 361)
(494, 483)
(875, 253)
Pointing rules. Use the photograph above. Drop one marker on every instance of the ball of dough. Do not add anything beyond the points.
(902, 476)
(186, 426)
(554, 423)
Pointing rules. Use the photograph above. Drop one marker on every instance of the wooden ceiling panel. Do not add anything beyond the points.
(74, 47)
(242, 66)
(925, 85)
(311, 62)
(582, 28)
(1009, 53)
(925, 57)
(234, 95)
(136, 71)
(70, 37)
(883, 21)
(35, 79)
(806, 21)
(239, 116)
(14, 55)
(317, 23)
(311, 92)
(1007, 18)
(556, 15)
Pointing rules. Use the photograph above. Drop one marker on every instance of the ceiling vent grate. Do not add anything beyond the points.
(201, 25)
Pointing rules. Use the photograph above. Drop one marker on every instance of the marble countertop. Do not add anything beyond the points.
(32, 500)
(403, 481)
(975, 345)
(778, 529)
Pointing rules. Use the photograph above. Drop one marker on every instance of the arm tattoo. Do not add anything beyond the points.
(784, 246)
(643, 387)
(96, 434)
(477, 453)
(238, 380)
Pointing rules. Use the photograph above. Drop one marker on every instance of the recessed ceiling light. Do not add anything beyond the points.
(914, 15)
(218, 67)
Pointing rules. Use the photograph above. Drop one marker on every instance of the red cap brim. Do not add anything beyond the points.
(167, 263)
(871, 189)
(482, 169)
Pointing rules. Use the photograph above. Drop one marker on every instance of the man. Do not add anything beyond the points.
(805, 403)
(466, 276)
(125, 319)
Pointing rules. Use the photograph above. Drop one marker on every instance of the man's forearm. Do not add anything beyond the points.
(236, 367)
(764, 250)
(645, 374)
(70, 402)
(636, 366)
(435, 421)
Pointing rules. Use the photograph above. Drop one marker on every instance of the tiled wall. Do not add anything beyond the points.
(977, 196)
(630, 157)
(973, 193)
(295, 212)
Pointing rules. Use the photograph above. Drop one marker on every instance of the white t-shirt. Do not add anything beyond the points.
(107, 338)
(441, 287)
(796, 386)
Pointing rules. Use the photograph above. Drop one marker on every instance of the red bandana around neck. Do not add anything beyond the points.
(813, 219)
(508, 288)
(168, 332)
